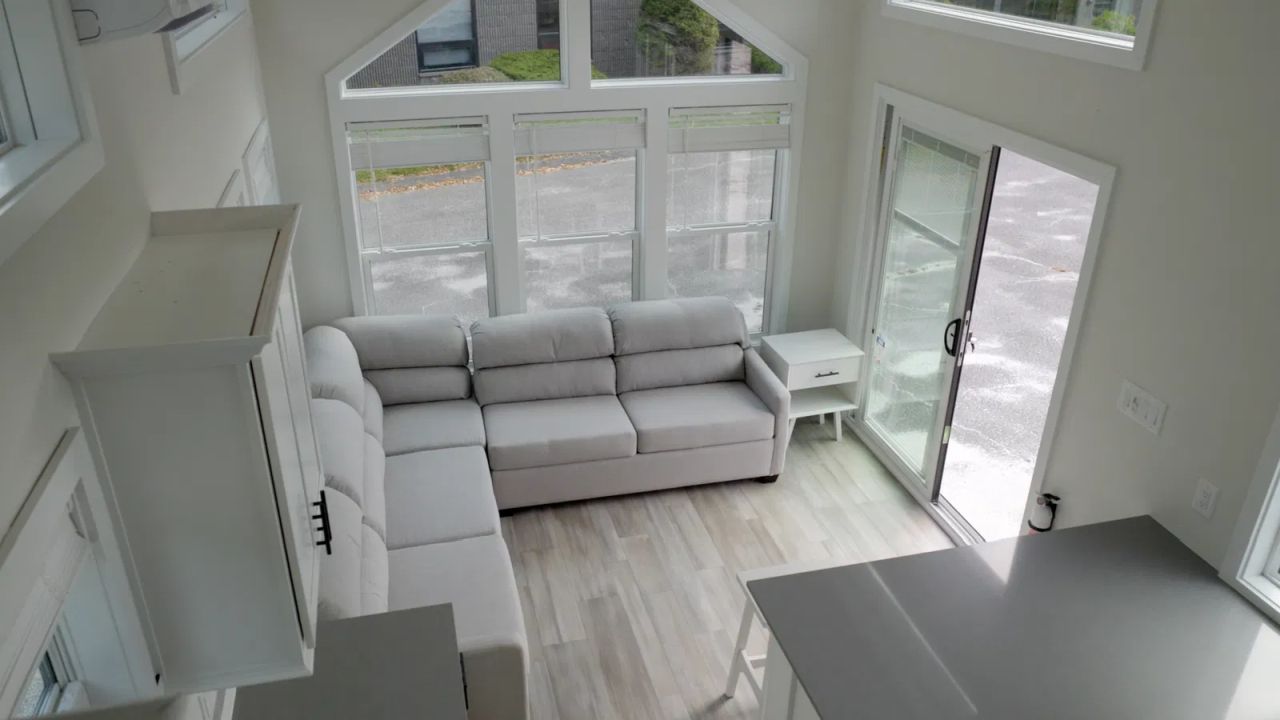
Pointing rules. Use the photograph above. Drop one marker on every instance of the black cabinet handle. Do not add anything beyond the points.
(833, 373)
(326, 531)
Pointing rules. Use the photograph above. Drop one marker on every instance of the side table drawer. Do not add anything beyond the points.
(823, 372)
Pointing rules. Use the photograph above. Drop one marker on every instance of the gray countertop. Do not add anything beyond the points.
(1116, 620)
(390, 666)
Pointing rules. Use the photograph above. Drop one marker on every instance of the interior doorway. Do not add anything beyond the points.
(983, 243)
(1026, 280)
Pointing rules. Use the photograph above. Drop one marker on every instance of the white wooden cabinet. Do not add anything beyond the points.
(193, 396)
(820, 368)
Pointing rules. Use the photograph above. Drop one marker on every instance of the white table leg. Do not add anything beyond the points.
(839, 426)
(779, 685)
(822, 419)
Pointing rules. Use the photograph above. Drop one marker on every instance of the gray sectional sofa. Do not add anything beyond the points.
(420, 453)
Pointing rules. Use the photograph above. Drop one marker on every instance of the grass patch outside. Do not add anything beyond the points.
(533, 66)
(388, 174)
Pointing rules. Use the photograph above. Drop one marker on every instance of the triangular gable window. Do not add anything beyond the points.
(670, 38)
(469, 42)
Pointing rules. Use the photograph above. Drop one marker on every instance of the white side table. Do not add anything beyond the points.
(820, 368)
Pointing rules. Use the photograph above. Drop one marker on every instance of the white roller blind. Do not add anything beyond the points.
(729, 128)
(570, 132)
(417, 142)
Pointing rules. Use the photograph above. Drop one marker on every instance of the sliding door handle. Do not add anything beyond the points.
(951, 337)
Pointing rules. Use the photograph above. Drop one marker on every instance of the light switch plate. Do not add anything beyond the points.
(1205, 499)
(1142, 407)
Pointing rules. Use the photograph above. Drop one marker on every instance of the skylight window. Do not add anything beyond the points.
(1109, 31)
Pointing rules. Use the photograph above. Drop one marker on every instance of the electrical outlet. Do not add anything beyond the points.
(1142, 407)
(1205, 499)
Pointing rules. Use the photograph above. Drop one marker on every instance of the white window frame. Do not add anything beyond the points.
(7, 143)
(183, 47)
(1074, 42)
(367, 257)
(769, 227)
(55, 144)
(500, 103)
(1252, 564)
(541, 240)
(64, 530)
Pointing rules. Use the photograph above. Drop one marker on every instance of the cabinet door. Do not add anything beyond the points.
(299, 390)
(295, 491)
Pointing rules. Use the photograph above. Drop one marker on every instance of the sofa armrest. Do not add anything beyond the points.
(775, 396)
(496, 669)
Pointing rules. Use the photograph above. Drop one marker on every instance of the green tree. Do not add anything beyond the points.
(677, 36)
(762, 64)
(1115, 22)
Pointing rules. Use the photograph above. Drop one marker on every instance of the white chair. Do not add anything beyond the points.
(752, 666)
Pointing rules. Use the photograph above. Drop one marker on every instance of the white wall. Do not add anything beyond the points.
(300, 40)
(162, 152)
(1185, 293)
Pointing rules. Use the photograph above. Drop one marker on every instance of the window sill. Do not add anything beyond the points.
(653, 82)
(1068, 41)
(1261, 591)
(431, 90)
(36, 180)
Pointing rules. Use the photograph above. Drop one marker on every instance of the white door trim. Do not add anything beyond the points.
(972, 130)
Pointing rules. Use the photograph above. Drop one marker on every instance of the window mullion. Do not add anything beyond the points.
(651, 193)
(577, 51)
(507, 272)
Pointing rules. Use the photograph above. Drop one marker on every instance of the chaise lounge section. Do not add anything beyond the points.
(411, 504)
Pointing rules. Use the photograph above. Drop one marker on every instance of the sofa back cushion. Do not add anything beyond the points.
(673, 368)
(340, 438)
(333, 368)
(543, 356)
(677, 324)
(669, 343)
(545, 381)
(411, 358)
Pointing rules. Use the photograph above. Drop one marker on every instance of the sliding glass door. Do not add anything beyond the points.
(929, 233)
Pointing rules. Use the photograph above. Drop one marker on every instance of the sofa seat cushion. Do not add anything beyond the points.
(439, 495)
(431, 426)
(693, 416)
(475, 575)
(557, 432)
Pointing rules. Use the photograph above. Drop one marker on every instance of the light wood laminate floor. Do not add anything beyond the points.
(632, 604)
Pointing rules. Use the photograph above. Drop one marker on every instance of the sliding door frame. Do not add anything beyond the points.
(888, 104)
(926, 480)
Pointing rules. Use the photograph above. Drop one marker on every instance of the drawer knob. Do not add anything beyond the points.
(833, 373)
